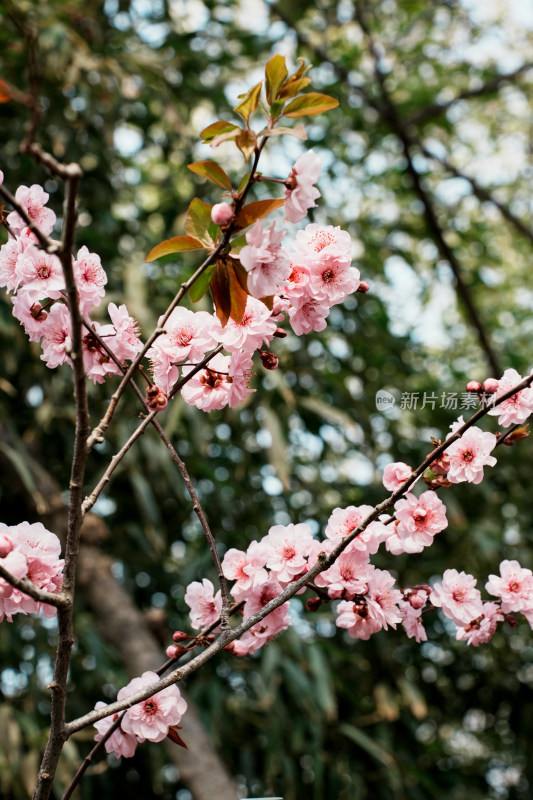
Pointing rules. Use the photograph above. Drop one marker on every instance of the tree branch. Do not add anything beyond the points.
(58, 600)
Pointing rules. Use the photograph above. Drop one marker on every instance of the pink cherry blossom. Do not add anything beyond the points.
(395, 475)
(482, 629)
(90, 279)
(247, 569)
(469, 454)
(31, 316)
(97, 362)
(125, 343)
(316, 241)
(286, 550)
(344, 520)
(150, 719)
(348, 576)
(331, 279)
(261, 632)
(17, 564)
(119, 743)
(210, 388)
(301, 194)
(458, 597)
(517, 408)
(297, 282)
(308, 314)
(10, 253)
(266, 261)
(32, 199)
(239, 374)
(514, 586)
(412, 621)
(419, 519)
(40, 274)
(376, 610)
(205, 605)
(255, 327)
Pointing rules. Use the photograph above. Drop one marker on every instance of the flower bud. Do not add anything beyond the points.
(6, 546)
(416, 601)
(172, 651)
(279, 333)
(270, 361)
(490, 385)
(221, 213)
(179, 636)
(511, 620)
(156, 399)
(473, 386)
(363, 287)
(313, 604)
(38, 312)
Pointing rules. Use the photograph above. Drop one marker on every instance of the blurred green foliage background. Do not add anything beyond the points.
(127, 86)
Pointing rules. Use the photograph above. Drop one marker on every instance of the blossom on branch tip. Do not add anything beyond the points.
(32, 199)
(300, 194)
(517, 408)
(395, 475)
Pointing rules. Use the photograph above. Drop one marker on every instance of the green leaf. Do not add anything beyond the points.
(177, 244)
(292, 88)
(309, 104)
(237, 244)
(200, 285)
(198, 221)
(212, 171)
(256, 210)
(250, 102)
(216, 129)
(372, 747)
(275, 74)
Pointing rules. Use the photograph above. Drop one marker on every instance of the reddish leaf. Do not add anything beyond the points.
(5, 92)
(246, 141)
(211, 171)
(174, 735)
(220, 291)
(198, 221)
(249, 103)
(175, 245)
(275, 73)
(309, 104)
(238, 295)
(257, 210)
(292, 88)
(216, 129)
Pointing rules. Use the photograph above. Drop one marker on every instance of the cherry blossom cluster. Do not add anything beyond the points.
(37, 282)
(151, 720)
(32, 552)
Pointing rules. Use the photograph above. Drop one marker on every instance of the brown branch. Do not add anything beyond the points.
(58, 600)
(324, 562)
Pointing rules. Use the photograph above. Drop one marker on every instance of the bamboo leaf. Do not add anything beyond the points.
(178, 244)
(212, 171)
(309, 104)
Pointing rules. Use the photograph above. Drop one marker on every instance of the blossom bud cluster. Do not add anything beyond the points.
(29, 551)
(37, 281)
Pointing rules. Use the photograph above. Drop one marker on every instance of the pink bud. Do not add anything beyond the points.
(280, 333)
(1, 177)
(473, 386)
(172, 651)
(416, 601)
(179, 636)
(221, 213)
(6, 546)
(363, 287)
(490, 385)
